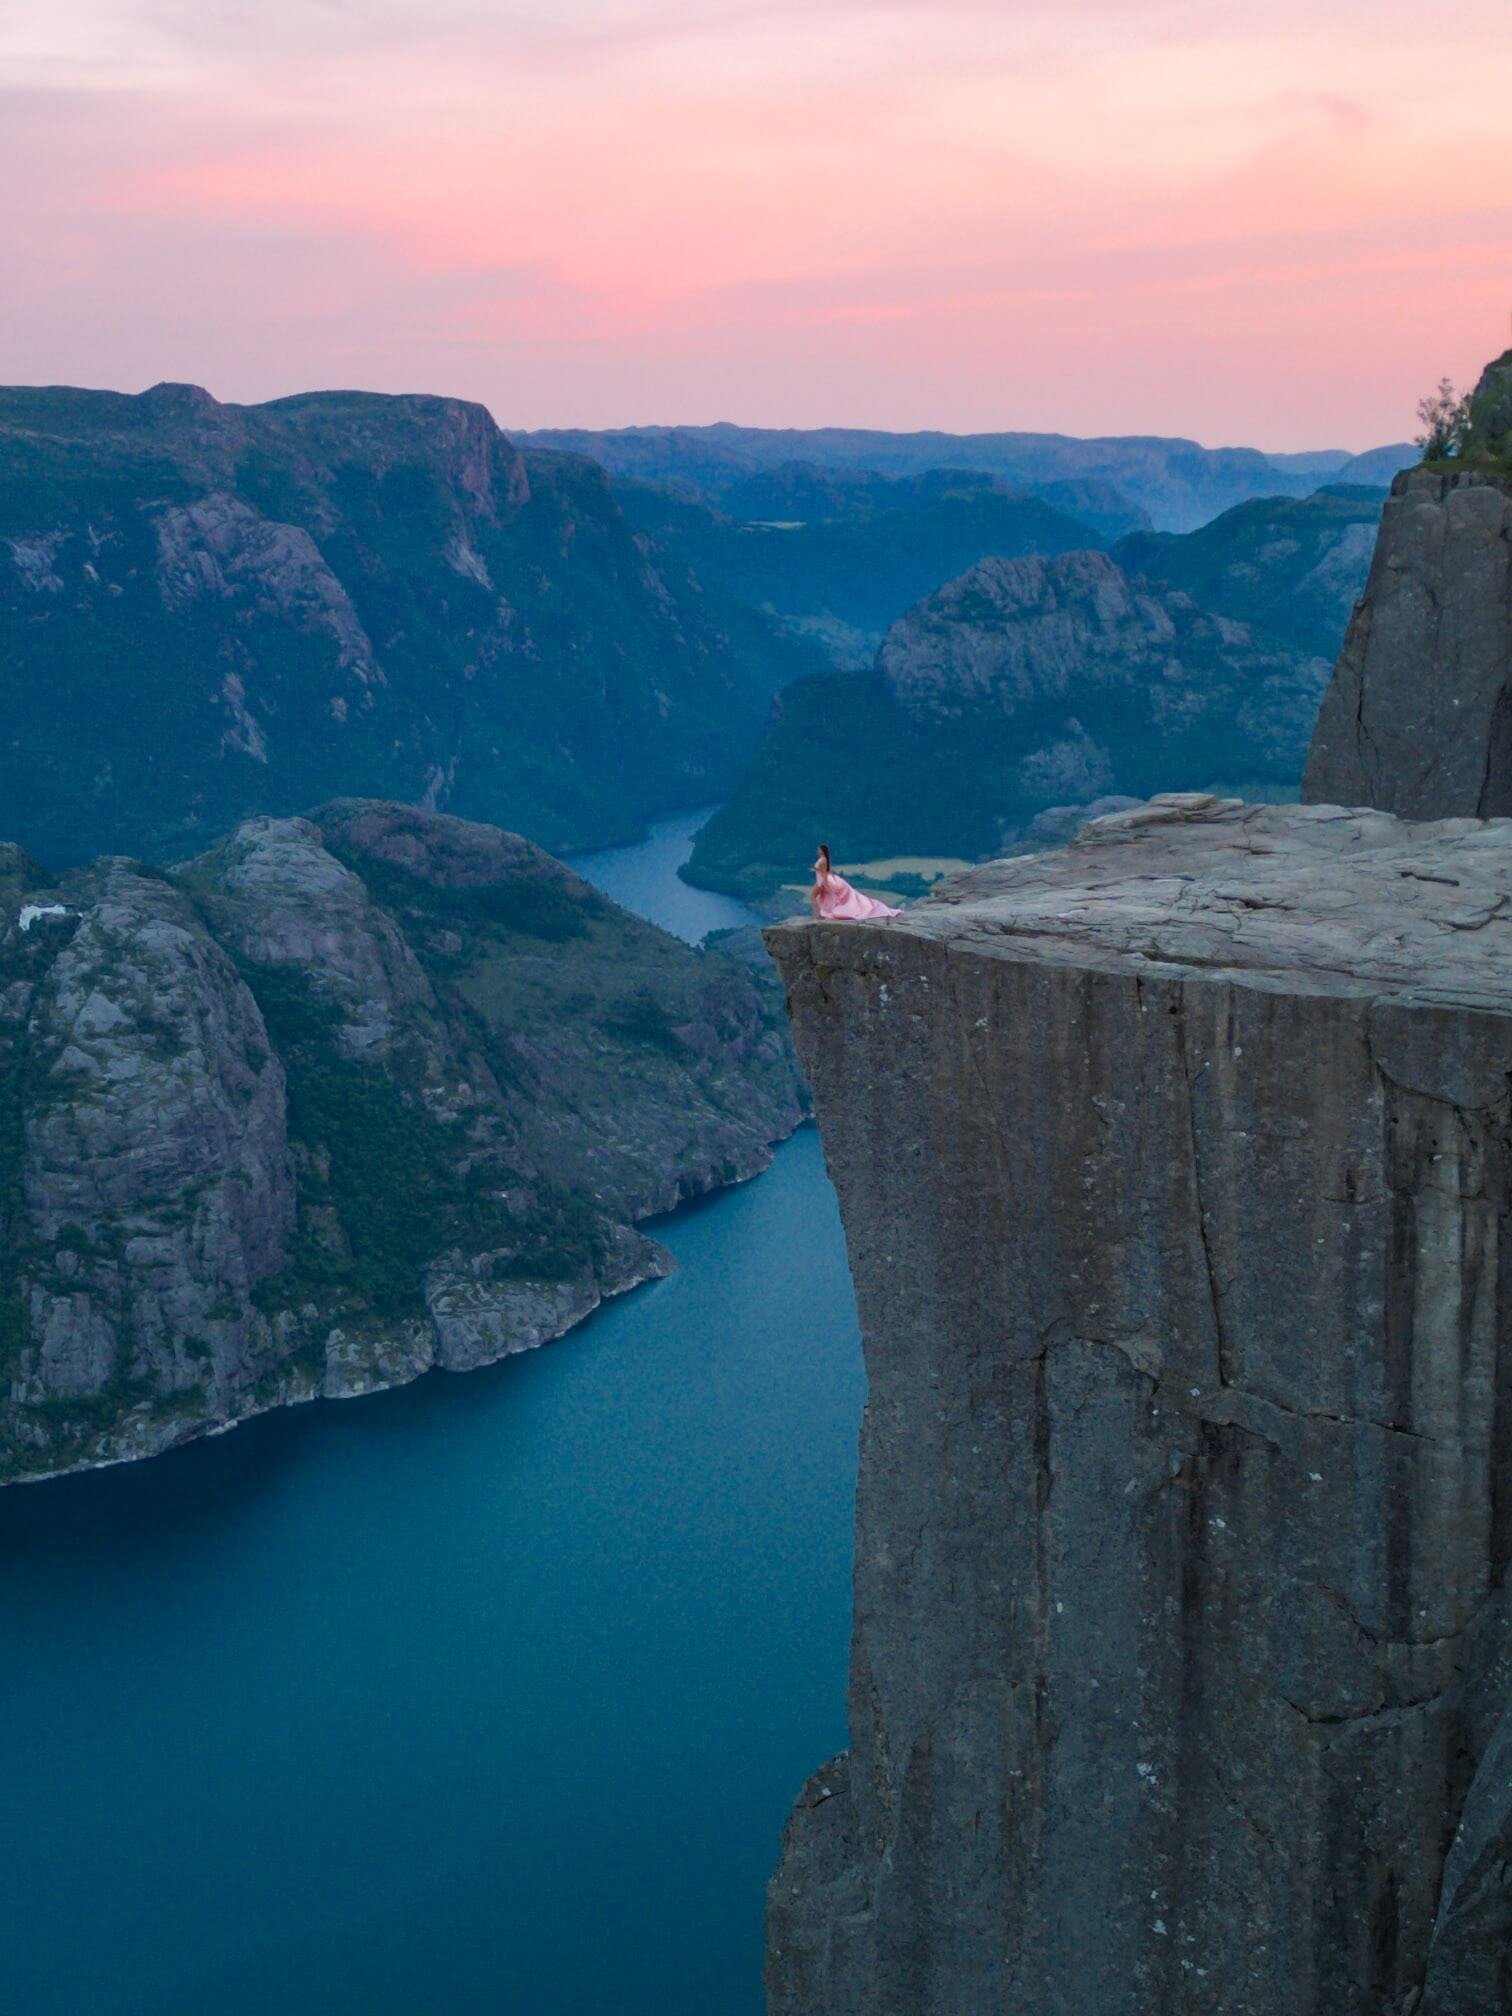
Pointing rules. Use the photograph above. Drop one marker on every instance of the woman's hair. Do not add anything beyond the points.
(821, 869)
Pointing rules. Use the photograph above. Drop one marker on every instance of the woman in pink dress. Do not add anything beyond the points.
(833, 896)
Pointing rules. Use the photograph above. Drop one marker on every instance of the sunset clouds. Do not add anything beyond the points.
(1273, 224)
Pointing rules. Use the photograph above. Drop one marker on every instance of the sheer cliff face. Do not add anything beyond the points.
(1174, 1170)
(342, 1099)
(1418, 717)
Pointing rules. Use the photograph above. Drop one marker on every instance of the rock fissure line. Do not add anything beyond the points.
(1384, 1717)
(1224, 1356)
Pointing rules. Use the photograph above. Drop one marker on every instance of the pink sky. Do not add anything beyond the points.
(1276, 224)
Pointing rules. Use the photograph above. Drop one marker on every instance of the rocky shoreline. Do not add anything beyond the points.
(446, 1340)
(346, 1099)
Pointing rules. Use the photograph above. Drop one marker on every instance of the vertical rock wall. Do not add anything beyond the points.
(1418, 717)
(1174, 1171)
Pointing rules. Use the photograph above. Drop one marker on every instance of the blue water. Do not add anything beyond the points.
(645, 878)
(487, 1695)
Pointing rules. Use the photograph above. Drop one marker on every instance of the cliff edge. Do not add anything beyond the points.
(1175, 1176)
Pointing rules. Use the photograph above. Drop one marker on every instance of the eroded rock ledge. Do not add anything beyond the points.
(1174, 1170)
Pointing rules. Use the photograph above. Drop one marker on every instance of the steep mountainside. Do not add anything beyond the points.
(840, 563)
(208, 611)
(1174, 1174)
(1178, 483)
(1292, 568)
(1032, 683)
(1418, 717)
(343, 1098)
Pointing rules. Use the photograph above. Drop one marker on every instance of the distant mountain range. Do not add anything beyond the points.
(1173, 661)
(838, 561)
(1180, 484)
(208, 611)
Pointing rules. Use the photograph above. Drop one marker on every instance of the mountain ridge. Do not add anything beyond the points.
(342, 592)
(1179, 482)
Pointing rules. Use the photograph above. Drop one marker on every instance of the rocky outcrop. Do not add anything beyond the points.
(344, 1098)
(1045, 639)
(1418, 717)
(156, 1186)
(218, 549)
(1176, 1171)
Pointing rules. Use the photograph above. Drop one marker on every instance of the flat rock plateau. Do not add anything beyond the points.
(1175, 1175)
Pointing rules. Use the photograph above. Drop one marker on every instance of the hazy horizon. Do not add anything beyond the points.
(564, 426)
(1130, 218)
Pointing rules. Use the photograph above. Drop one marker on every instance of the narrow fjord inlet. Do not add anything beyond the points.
(484, 1695)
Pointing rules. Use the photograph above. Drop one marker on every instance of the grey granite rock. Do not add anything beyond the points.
(154, 1169)
(278, 897)
(1417, 719)
(219, 549)
(1175, 1174)
(1111, 683)
(1025, 637)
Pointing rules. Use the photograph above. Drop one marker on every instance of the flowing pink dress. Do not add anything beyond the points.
(838, 899)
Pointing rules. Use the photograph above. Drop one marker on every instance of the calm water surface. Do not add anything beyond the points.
(645, 878)
(488, 1695)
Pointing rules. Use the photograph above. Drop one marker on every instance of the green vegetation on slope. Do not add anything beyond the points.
(209, 611)
(385, 1186)
(1290, 567)
(841, 581)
